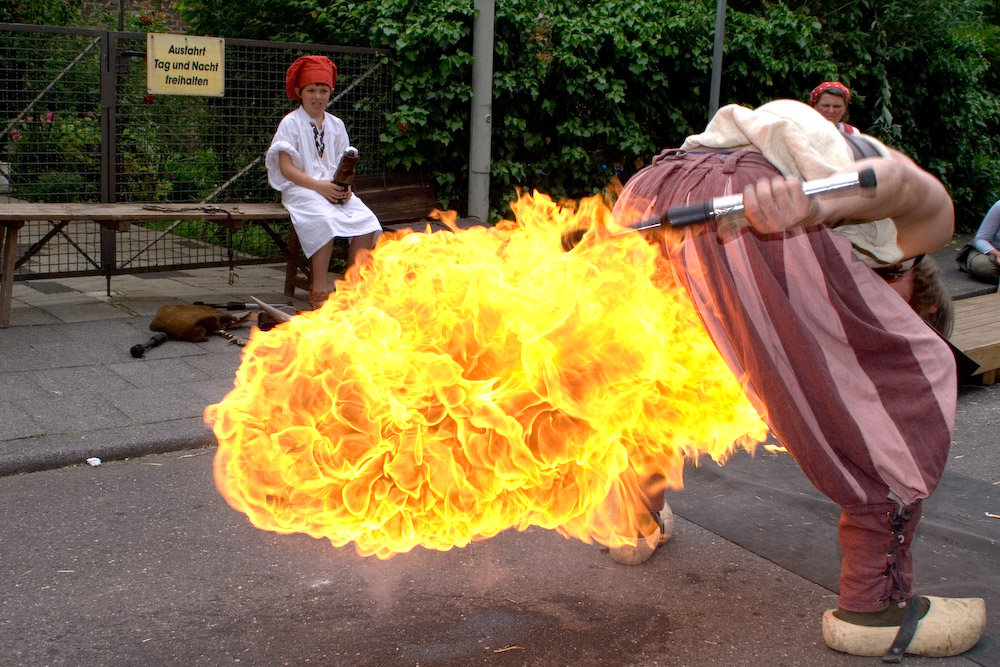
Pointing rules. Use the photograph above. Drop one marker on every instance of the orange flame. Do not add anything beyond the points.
(465, 383)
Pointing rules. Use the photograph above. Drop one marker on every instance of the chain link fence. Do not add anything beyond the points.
(77, 125)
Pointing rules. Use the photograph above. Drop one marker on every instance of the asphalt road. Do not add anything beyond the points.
(140, 562)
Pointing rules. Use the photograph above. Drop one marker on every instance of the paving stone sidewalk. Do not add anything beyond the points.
(71, 388)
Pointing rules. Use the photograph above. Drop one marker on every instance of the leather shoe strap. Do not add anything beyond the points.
(907, 628)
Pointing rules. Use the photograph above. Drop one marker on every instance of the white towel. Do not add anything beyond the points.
(799, 142)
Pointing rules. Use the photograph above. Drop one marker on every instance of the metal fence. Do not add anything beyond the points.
(77, 125)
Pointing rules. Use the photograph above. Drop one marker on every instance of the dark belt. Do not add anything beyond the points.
(894, 272)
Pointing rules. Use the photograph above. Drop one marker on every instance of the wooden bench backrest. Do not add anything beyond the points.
(397, 197)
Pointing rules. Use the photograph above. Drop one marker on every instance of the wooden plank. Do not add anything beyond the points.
(980, 313)
(401, 208)
(364, 183)
(26, 211)
(977, 332)
(117, 216)
(975, 314)
(395, 198)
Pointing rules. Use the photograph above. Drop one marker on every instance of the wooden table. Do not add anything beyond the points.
(977, 332)
(13, 216)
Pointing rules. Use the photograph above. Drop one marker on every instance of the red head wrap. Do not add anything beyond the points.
(309, 69)
(829, 87)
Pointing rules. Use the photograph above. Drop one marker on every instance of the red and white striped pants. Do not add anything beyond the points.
(851, 381)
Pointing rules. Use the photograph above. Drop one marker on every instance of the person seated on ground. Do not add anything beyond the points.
(301, 162)
(831, 98)
(808, 329)
(982, 259)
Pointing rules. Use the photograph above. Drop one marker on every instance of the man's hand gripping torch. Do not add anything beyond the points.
(721, 209)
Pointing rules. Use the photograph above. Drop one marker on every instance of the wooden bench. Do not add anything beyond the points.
(977, 332)
(398, 199)
(115, 216)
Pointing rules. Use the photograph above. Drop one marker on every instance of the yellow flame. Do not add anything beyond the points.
(464, 383)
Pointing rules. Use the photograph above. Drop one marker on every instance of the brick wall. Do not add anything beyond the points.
(149, 10)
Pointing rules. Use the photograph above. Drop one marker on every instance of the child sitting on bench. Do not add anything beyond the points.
(303, 157)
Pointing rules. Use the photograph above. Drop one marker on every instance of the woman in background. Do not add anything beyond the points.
(830, 99)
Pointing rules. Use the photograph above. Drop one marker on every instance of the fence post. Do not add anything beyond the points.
(717, 50)
(109, 147)
(482, 110)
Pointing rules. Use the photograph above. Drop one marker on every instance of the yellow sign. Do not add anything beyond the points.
(185, 65)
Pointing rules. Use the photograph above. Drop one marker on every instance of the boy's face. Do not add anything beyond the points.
(315, 97)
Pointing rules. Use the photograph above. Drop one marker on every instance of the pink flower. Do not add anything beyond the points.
(50, 116)
(15, 134)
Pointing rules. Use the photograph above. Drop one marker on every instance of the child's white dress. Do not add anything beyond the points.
(316, 219)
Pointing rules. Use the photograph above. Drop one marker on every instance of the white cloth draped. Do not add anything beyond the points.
(797, 140)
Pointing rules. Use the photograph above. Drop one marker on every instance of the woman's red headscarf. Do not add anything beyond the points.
(829, 87)
(309, 69)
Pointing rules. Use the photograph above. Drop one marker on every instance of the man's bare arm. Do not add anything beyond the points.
(917, 202)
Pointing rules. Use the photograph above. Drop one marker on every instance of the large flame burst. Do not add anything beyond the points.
(465, 383)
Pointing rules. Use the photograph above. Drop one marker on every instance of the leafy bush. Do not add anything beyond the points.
(55, 156)
(924, 74)
(63, 12)
(55, 186)
(192, 176)
(583, 91)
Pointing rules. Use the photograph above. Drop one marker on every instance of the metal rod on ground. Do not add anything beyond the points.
(237, 305)
(140, 349)
(278, 315)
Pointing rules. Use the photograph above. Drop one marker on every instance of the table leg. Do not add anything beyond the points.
(9, 247)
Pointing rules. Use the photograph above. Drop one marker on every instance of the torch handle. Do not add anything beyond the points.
(725, 208)
(722, 208)
(140, 349)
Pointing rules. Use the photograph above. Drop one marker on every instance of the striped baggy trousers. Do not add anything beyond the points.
(849, 379)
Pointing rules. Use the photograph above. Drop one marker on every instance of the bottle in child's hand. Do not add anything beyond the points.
(345, 170)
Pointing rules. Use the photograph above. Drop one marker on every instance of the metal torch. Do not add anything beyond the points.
(731, 206)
